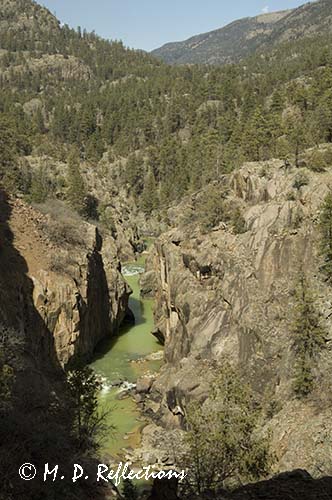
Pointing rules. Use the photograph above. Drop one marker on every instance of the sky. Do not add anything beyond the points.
(148, 24)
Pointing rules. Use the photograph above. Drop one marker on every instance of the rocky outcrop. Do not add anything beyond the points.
(38, 308)
(287, 486)
(229, 296)
(77, 290)
(148, 281)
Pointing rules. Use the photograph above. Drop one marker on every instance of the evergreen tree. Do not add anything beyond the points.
(324, 116)
(134, 173)
(278, 102)
(8, 154)
(95, 147)
(39, 121)
(221, 436)
(76, 193)
(295, 132)
(39, 186)
(255, 136)
(326, 237)
(89, 422)
(308, 337)
(149, 198)
(211, 208)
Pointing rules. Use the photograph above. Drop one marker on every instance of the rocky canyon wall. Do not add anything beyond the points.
(72, 280)
(225, 296)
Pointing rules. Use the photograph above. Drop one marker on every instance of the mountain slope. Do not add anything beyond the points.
(245, 36)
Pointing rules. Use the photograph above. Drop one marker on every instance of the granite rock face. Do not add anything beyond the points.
(230, 296)
(75, 284)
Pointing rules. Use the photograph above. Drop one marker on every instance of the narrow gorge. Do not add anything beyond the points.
(127, 365)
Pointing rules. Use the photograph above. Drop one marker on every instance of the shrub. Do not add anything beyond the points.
(317, 162)
(238, 222)
(129, 490)
(222, 440)
(61, 263)
(301, 179)
(290, 196)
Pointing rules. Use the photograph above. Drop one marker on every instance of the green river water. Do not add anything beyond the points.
(114, 361)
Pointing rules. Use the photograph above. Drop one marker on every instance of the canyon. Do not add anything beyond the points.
(223, 296)
(214, 177)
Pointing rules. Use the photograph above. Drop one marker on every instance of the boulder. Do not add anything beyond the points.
(144, 385)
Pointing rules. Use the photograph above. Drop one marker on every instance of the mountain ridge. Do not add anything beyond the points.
(243, 37)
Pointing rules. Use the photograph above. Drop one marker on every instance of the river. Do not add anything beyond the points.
(116, 360)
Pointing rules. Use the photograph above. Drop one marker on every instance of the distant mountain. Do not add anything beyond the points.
(246, 36)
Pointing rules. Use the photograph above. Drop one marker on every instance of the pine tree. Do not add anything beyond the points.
(324, 115)
(84, 388)
(149, 198)
(76, 193)
(39, 121)
(211, 208)
(326, 237)
(134, 174)
(295, 132)
(95, 147)
(255, 136)
(278, 102)
(308, 337)
(221, 437)
(39, 186)
(7, 152)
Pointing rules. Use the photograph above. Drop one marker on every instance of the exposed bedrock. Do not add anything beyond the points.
(230, 296)
(75, 283)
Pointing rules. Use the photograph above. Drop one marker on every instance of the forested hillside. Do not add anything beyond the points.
(164, 131)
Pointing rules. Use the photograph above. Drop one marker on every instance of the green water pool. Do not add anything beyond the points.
(114, 362)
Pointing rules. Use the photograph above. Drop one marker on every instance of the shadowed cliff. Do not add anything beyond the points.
(35, 421)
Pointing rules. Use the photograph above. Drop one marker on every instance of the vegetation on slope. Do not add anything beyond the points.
(168, 131)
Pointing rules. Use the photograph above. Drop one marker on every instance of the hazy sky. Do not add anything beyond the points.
(147, 24)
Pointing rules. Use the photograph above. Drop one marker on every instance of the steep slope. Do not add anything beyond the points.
(39, 313)
(224, 45)
(145, 133)
(27, 26)
(78, 290)
(246, 36)
(230, 296)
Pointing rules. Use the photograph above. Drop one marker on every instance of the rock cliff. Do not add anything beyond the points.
(75, 283)
(44, 321)
(226, 295)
